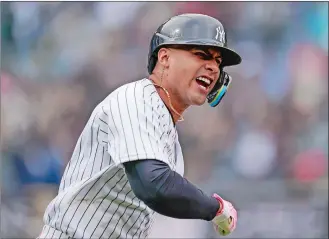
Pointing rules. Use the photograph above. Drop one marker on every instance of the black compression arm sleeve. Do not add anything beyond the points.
(168, 193)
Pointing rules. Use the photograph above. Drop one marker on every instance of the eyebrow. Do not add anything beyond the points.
(207, 52)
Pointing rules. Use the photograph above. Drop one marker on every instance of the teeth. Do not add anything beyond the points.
(207, 81)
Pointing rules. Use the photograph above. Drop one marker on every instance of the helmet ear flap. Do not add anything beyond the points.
(153, 51)
(151, 64)
(220, 89)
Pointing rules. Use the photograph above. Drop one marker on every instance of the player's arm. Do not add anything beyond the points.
(167, 192)
(136, 132)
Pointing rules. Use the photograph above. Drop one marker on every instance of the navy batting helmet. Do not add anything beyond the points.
(192, 29)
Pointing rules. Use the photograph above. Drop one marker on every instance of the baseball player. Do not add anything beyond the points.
(128, 163)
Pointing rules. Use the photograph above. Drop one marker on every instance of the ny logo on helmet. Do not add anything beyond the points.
(220, 34)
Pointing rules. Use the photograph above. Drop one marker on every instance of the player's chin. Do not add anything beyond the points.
(198, 100)
(196, 97)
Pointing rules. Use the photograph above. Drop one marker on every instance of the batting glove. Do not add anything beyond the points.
(225, 220)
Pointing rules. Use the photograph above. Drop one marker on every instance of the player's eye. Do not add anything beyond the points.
(207, 57)
(203, 55)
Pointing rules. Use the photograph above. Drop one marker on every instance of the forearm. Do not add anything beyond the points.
(168, 193)
(180, 199)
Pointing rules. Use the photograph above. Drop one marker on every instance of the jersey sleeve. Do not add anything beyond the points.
(138, 125)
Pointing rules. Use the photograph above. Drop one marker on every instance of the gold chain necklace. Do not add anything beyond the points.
(181, 118)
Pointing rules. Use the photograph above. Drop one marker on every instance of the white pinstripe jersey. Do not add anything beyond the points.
(95, 199)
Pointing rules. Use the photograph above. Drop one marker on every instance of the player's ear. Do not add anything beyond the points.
(163, 57)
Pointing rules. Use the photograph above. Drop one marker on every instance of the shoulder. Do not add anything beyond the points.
(140, 94)
(138, 90)
(142, 90)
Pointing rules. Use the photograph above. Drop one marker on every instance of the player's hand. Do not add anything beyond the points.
(225, 220)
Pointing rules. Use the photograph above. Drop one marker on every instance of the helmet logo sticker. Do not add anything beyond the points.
(176, 33)
(220, 33)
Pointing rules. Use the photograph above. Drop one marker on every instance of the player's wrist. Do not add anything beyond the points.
(220, 203)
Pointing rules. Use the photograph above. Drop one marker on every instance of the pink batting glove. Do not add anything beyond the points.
(225, 220)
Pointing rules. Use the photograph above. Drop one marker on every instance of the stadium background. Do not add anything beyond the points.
(265, 148)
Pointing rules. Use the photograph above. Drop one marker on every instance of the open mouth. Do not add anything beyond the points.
(204, 82)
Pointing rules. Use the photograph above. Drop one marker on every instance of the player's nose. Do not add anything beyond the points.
(212, 66)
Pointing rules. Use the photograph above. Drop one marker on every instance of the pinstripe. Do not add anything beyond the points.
(165, 148)
(169, 156)
(47, 232)
(92, 134)
(139, 203)
(169, 129)
(80, 146)
(162, 135)
(99, 206)
(102, 159)
(102, 202)
(107, 126)
(79, 167)
(148, 133)
(53, 234)
(81, 200)
(109, 205)
(91, 145)
(132, 130)
(54, 207)
(64, 176)
(145, 216)
(78, 205)
(59, 207)
(94, 199)
(140, 132)
(92, 168)
(123, 128)
(115, 128)
(152, 114)
(150, 222)
(132, 201)
(157, 142)
(153, 126)
(103, 122)
(104, 111)
(48, 218)
(115, 213)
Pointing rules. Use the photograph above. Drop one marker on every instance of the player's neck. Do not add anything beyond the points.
(176, 108)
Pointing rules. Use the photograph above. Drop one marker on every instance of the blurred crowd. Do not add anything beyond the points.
(265, 147)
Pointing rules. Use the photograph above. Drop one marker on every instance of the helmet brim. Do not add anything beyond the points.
(229, 56)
